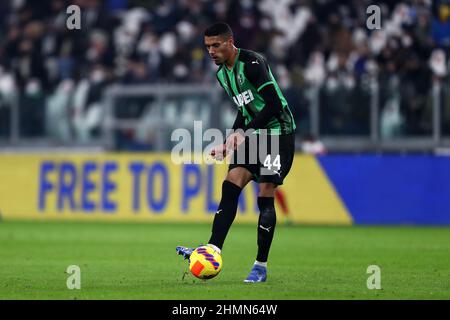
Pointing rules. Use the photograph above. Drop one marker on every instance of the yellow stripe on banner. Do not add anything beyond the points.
(149, 187)
(311, 196)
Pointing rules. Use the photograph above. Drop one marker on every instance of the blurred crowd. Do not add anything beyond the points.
(309, 43)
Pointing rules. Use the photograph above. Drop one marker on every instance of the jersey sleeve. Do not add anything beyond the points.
(272, 108)
(239, 122)
(257, 72)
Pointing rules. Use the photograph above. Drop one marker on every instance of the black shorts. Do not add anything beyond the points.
(263, 159)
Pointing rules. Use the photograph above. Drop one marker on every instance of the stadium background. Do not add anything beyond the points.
(86, 115)
(117, 84)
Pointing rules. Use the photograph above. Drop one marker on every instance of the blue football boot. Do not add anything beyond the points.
(184, 251)
(258, 274)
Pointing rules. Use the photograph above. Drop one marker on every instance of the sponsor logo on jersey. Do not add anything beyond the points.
(243, 98)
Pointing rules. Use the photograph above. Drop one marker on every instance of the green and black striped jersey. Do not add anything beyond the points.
(243, 83)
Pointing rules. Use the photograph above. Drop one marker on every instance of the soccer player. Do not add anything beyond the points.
(247, 79)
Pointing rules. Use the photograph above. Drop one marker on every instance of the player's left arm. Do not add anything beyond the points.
(258, 74)
(271, 109)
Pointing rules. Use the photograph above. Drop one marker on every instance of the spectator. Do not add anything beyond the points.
(325, 43)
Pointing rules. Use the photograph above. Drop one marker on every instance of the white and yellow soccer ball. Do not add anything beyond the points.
(205, 262)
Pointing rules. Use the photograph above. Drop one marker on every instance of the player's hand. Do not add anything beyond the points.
(234, 140)
(219, 152)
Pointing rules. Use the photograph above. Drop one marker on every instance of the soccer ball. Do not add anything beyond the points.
(205, 263)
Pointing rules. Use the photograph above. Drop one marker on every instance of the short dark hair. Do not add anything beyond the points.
(218, 29)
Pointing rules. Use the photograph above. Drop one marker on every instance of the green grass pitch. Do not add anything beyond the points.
(138, 261)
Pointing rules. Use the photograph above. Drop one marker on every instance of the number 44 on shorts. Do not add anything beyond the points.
(269, 164)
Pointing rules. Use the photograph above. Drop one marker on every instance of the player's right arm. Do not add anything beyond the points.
(239, 122)
(220, 152)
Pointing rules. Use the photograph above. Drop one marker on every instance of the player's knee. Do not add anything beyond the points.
(239, 177)
(267, 190)
(235, 180)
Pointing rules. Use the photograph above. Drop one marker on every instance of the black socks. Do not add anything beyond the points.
(225, 213)
(266, 226)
